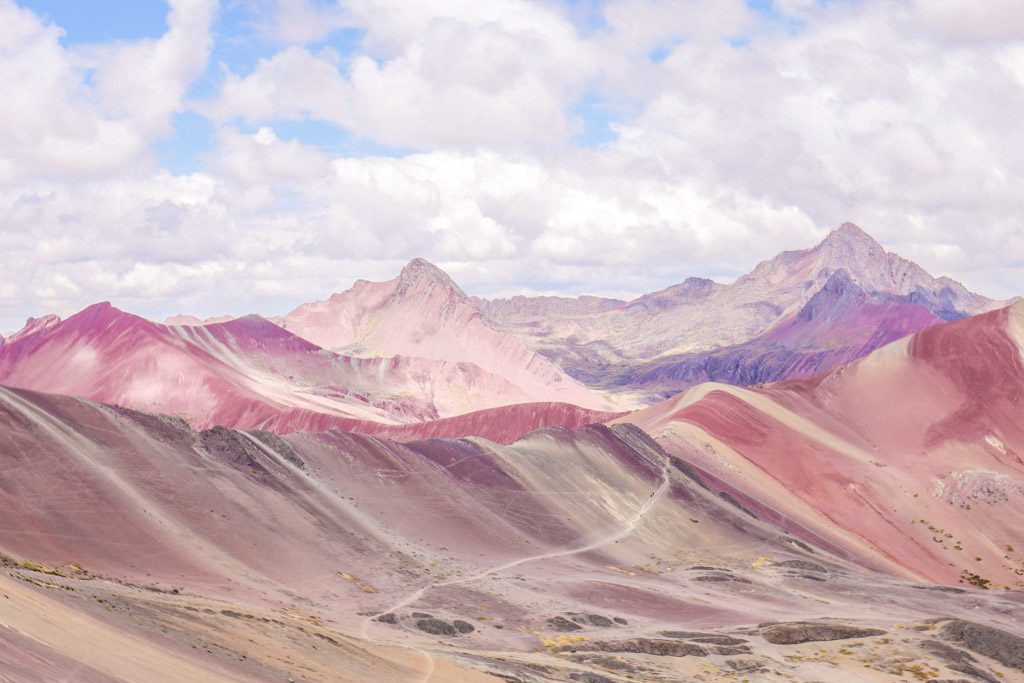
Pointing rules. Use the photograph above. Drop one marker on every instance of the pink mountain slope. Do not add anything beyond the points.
(909, 459)
(250, 373)
(503, 424)
(430, 388)
(423, 314)
(108, 355)
(33, 325)
(185, 319)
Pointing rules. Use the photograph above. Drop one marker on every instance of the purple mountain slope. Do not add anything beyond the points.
(797, 314)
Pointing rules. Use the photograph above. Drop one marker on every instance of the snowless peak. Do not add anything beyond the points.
(850, 248)
(849, 237)
(420, 269)
(33, 325)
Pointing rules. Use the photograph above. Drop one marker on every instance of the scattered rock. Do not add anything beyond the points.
(647, 646)
(1002, 646)
(587, 677)
(719, 640)
(806, 632)
(436, 627)
(801, 564)
(957, 660)
(463, 626)
(592, 620)
(325, 637)
(947, 653)
(388, 618)
(744, 665)
(800, 544)
(563, 624)
(941, 589)
(610, 663)
(686, 635)
(720, 577)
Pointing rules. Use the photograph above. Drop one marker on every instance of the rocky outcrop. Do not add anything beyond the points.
(1002, 646)
(795, 633)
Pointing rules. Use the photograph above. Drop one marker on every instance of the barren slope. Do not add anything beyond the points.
(909, 458)
(586, 556)
(423, 314)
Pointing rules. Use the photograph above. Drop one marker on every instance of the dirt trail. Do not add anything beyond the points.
(618, 535)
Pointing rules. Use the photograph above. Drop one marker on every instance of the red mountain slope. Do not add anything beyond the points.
(910, 458)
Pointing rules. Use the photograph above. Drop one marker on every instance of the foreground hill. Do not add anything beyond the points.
(137, 548)
(909, 459)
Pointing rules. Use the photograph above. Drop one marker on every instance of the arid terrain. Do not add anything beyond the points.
(862, 523)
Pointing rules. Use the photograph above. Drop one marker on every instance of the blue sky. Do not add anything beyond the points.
(98, 21)
(241, 40)
(239, 43)
(249, 155)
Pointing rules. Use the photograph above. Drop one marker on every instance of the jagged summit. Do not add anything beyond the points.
(850, 247)
(420, 269)
(851, 233)
(33, 325)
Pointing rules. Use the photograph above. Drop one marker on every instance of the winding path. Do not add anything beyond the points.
(413, 597)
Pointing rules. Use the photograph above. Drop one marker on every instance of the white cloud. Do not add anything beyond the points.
(93, 110)
(145, 81)
(967, 20)
(293, 84)
(450, 74)
(901, 116)
(49, 122)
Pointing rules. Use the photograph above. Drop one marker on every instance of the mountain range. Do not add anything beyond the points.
(797, 314)
(812, 473)
(417, 348)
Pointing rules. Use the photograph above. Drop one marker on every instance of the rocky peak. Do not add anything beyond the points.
(33, 325)
(420, 271)
(850, 247)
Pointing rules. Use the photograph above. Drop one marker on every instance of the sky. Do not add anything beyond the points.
(250, 155)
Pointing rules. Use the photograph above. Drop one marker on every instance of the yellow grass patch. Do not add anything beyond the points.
(365, 587)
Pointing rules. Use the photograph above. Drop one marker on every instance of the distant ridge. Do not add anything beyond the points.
(422, 313)
(770, 324)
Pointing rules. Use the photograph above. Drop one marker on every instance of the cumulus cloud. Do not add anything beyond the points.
(144, 82)
(963, 20)
(448, 74)
(739, 134)
(50, 123)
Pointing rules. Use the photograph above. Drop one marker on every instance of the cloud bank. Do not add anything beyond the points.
(604, 147)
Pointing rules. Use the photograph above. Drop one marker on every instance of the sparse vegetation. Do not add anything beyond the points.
(974, 579)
